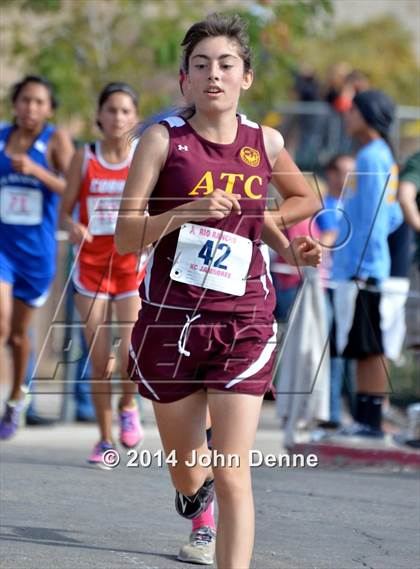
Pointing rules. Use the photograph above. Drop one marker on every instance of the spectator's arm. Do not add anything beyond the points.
(407, 193)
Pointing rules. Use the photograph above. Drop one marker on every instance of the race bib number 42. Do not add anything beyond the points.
(211, 258)
(20, 206)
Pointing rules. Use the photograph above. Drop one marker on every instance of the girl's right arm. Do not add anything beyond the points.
(135, 230)
(77, 231)
(59, 153)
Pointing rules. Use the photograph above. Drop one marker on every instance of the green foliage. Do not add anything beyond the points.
(33, 5)
(272, 28)
(139, 42)
(95, 42)
(83, 44)
(381, 48)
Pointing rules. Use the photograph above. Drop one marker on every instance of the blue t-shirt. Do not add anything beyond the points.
(371, 214)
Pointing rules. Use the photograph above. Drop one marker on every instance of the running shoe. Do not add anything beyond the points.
(201, 547)
(353, 430)
(192, 506)
(329, 425)
(131, 434)
(14, 416)
(97, 455)
(360, 430)
(35, 420)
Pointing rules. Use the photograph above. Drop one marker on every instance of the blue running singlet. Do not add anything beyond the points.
(28, 221)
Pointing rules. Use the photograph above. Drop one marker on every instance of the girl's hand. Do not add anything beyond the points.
(217, 206)
(24, 165)
(304, 251)
(78, 233)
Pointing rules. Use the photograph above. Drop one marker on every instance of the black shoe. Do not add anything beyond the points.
(404, 439)
(192, 506)
(329, 425)
(85, 418)
(35, 420)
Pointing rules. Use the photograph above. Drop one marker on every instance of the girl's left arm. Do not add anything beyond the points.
(300, 201)
(300, 251)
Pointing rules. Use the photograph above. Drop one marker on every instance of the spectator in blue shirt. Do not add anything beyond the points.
(362, 259)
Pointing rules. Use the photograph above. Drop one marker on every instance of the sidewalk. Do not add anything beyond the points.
(347, 451)
(350, 451)
(355, 451)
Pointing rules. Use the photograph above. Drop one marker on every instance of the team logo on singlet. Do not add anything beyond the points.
(250, 156)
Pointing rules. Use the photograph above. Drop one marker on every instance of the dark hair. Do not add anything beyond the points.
(388, 141)
(216, 25)
(116, 87)
(378, 111)
(181, 78)
(18, 87)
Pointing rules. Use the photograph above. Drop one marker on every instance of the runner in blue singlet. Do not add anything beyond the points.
(34, 155)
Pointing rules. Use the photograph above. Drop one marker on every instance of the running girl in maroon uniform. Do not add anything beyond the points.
(206, 332)
(102, 278)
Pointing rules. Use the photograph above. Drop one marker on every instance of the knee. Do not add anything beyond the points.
(102, 367)
(186, 481)
(18, 338)
(232, 483)
(187, 487)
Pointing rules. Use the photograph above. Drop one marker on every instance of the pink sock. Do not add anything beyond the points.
(204, 519)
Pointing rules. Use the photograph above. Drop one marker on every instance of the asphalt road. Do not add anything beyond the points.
(58, 512)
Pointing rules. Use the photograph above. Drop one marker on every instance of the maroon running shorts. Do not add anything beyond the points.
(174, 353)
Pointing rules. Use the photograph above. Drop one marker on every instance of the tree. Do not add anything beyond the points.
(82, 45)
(381, 48)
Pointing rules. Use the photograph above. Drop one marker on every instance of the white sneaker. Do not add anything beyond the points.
(201, 547)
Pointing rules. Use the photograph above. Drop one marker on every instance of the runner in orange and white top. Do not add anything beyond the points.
(99, 270)
(104, 280)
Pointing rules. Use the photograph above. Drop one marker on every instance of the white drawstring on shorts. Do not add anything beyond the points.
(183, 336)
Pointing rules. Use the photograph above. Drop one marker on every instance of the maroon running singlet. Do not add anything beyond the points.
(208, 300)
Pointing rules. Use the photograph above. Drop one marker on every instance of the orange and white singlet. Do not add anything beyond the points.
(99, 270)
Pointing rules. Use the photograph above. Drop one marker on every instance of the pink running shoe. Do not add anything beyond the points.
(132, 433)
(99, 454)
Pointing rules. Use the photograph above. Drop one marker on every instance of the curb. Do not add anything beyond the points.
(331, 454)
